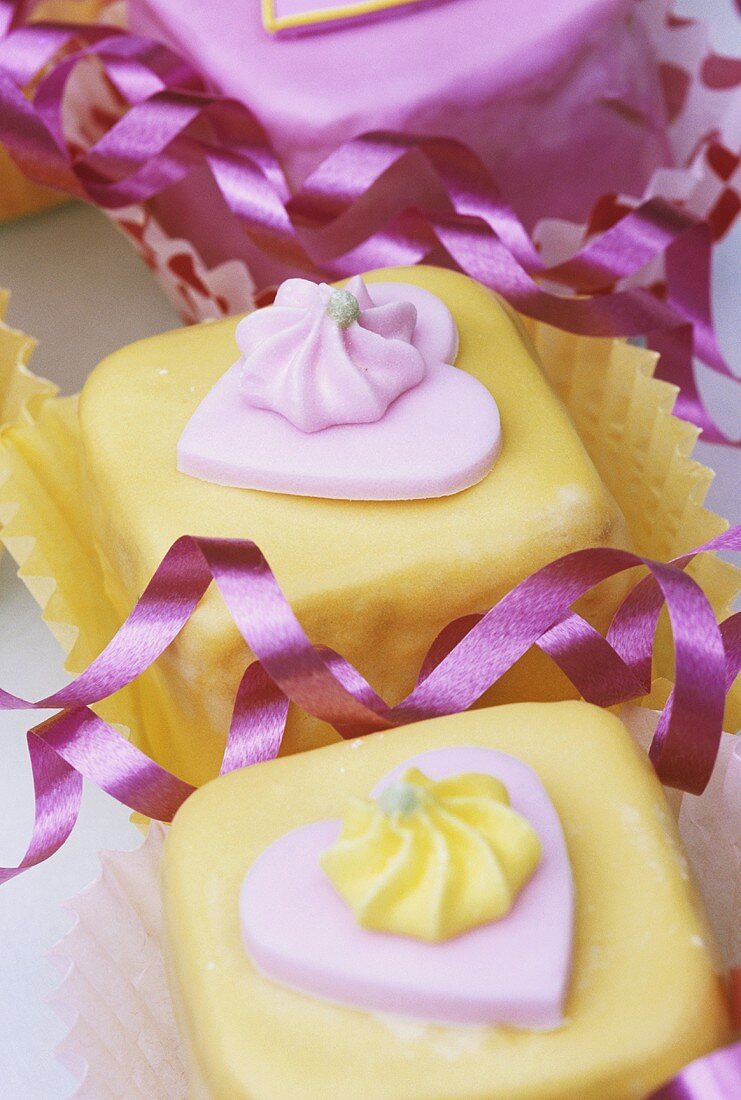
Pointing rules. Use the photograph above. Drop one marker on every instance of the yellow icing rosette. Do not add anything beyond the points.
(433, 859)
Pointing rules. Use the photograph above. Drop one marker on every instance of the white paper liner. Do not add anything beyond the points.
(122, 1040)
(710, 827)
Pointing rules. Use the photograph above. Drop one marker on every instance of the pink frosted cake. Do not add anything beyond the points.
(562, 100)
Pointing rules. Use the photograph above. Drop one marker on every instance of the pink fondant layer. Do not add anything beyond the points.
(513, 971)
(561, 100)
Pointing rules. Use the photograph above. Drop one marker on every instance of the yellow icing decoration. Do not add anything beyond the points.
(353, 9)
(433, 859)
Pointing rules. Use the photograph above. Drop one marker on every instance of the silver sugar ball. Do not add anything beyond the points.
(343, 307)
(400, 798)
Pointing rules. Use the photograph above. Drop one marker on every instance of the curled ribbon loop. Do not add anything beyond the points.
(716, 1076)
(169, 123)
(468, 656)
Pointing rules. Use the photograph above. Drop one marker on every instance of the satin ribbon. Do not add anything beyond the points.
(171, 123)
(465, 660)
(715, 1076)
(13, 13)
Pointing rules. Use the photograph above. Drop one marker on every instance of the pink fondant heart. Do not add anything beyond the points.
(438, 438)
(514, 971)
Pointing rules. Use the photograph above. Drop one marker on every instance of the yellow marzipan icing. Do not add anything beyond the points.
(433, 859)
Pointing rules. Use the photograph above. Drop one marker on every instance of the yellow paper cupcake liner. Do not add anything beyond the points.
(42, 524)
(644, 455)
(622, 412)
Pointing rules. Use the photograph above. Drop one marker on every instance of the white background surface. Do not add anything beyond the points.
(79, 288)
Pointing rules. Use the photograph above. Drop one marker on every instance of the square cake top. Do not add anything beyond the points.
(543, 496)
(377, 70)
(374, 580)
(643, 996)
(396, 71)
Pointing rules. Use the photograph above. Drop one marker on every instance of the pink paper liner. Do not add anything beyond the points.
(122, 1039)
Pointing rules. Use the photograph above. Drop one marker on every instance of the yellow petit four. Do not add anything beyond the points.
(642, 999)
(374, 579)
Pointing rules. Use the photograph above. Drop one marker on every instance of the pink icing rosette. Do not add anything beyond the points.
(347, 395)
(307, 358)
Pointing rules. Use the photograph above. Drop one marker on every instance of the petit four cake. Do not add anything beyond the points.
(561, 101)
(491, 905)
(396, 453)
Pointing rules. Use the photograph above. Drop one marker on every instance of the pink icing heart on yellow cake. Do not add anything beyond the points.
(346, 394)
(509, 971)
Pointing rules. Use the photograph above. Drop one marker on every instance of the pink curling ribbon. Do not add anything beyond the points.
(468, 657)
(170, 124)
(715, 1076)
(13, 13)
